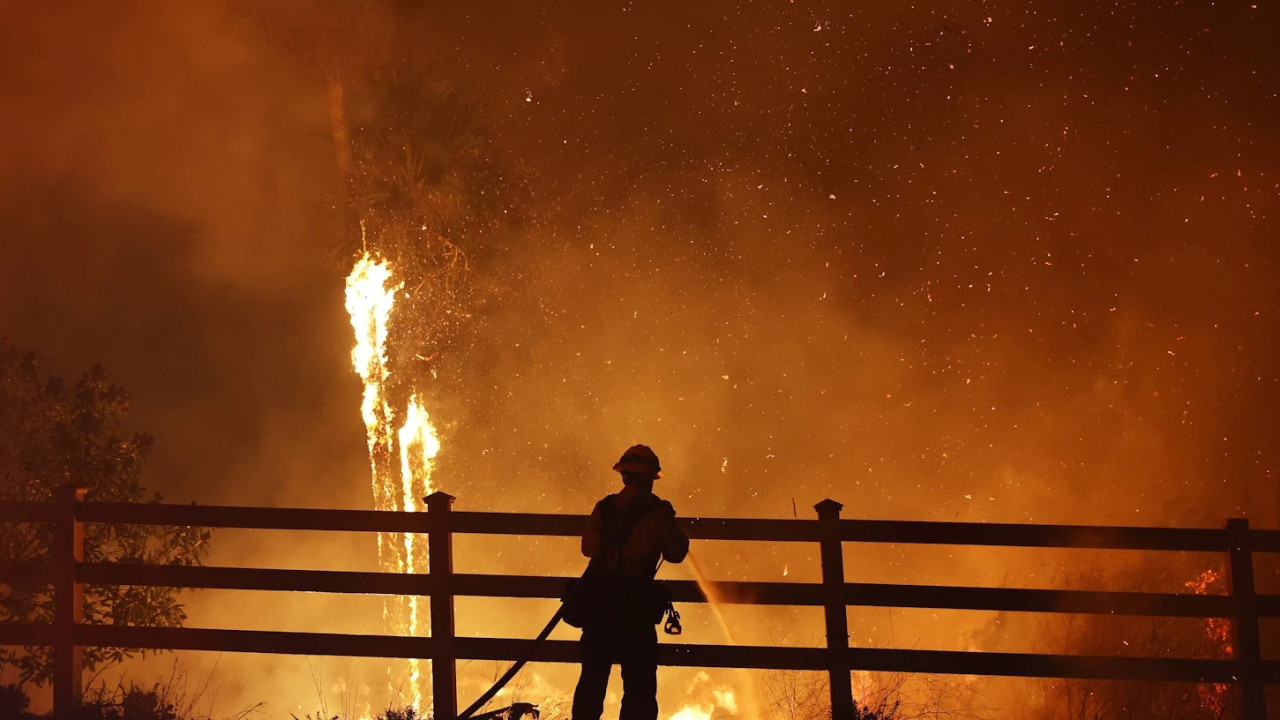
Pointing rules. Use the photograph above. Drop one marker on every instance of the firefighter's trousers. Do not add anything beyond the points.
(633, 643)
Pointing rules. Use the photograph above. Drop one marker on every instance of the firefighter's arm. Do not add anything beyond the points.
(592, 536)
(675, 544)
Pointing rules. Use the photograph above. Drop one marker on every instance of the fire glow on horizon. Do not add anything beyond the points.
(400, 458)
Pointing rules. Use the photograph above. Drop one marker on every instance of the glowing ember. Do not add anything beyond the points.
(1213, 696)
(370, 299)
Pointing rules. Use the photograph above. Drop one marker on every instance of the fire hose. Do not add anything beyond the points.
(671, 627)
(511, 671)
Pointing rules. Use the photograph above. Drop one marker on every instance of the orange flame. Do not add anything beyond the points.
(370, 300)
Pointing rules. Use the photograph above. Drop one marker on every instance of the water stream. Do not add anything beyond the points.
(751, 701)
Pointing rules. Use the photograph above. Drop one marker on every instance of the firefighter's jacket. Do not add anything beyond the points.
(655, 536)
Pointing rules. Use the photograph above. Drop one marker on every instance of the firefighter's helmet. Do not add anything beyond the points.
(639, 460)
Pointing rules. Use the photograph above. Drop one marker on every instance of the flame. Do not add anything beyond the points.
(369, 303)
(418, 447)
(370, 300)
(713, 701)
(726, 699)
(691, 712)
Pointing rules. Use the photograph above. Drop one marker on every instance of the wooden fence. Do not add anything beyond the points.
(67, 572)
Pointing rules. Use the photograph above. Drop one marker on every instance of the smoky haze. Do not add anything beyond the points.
(933, 262)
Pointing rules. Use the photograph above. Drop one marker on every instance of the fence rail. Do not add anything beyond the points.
(68, 573)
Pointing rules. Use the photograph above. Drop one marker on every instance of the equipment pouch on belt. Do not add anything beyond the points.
(589, 597)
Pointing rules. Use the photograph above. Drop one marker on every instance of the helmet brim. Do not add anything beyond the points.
(637, 468)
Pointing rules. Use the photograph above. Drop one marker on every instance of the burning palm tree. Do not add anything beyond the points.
(422, 187)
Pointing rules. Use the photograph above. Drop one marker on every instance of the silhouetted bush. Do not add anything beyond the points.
(13, 703)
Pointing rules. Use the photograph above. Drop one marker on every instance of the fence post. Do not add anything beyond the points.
(68, 602)
(835, 609)
(1247, 647)
(444, 684)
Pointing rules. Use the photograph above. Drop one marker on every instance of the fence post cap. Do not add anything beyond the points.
(828, 507)
(439, 498)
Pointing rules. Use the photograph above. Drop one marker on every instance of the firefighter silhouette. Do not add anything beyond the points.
(629, 533)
